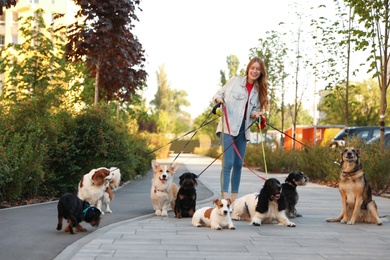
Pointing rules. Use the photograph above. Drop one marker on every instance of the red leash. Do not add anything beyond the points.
(234, 145)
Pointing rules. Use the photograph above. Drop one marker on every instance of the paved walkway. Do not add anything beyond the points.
(152, 237)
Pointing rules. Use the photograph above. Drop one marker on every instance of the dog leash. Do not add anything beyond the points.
(260, 129)
(195, 132)
(226, 150)
(234, 145)
(222, 178)
(295, 140)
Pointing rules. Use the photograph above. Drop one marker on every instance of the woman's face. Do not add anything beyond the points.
(254, 72)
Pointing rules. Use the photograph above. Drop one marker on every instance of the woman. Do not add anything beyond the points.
(244, 98)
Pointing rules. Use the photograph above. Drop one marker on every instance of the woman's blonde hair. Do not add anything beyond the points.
(261, 82)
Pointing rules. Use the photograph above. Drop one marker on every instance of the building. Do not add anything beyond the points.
(9, 20)
(304, 135)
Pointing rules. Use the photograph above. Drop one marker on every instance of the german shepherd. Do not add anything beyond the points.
(355, 191)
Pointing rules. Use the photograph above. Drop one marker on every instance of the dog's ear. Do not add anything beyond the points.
(195, 178)
(81, 184)
(342, 155)
(263, 199)
(290, 177)
(154, 164)
(174, 167)
(229, 201)
(358, 152)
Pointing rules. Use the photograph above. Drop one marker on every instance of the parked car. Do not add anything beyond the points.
(364, 132)
(376, 139)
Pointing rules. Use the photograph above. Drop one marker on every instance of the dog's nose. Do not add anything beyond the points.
(164, 176)
(225, 212)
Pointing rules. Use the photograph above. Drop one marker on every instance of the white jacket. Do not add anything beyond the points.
(235, 96)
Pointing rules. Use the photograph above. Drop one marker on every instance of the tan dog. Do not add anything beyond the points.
(216, 218)
(164, 191)
(355, 192)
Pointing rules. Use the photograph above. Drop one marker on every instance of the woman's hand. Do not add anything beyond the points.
(219, 101)
(256, 115)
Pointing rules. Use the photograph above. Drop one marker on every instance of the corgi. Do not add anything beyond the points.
(163, 191)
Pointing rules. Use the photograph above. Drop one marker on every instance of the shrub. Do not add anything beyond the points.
(320, 164)
(158, 144)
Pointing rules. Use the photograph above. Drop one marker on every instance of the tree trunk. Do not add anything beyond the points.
(97, 84)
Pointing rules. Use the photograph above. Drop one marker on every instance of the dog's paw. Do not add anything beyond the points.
(237, 218)
(298, 215)
(232, 227)
(291, 224)
(59, 226)
(256, 224)
(344, 221)
(108, 211)
(350, 222)
(157, 212)
(81, 228)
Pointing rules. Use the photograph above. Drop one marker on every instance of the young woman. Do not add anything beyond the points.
(244, 98)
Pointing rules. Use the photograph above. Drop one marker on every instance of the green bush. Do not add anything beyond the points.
(158, 144)
(278, 160)
(45, 156)
(321, 164)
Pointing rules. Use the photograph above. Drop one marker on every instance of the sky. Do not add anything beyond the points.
(192, 40)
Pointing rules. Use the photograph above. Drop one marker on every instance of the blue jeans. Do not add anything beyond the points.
(232, 161)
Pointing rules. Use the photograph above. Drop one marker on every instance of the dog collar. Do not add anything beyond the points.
(291, 183)
(349, 174)
(155, 190)
(86, 209)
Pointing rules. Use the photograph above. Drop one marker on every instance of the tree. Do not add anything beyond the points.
(374, 15)
(273, 51)
(167, 106)
(363, 101)
(113, 53)
(34, 70)
(335, 43)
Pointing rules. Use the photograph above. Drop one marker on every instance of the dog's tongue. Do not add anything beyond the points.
(163, 180)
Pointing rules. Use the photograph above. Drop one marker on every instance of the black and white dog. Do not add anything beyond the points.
(265, 207)
(289, 190)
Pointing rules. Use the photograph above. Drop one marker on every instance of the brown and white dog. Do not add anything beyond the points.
(355, 191)
(265, 207)
(94, 184)
(217, 218)
(108, 195)
(163, 191)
